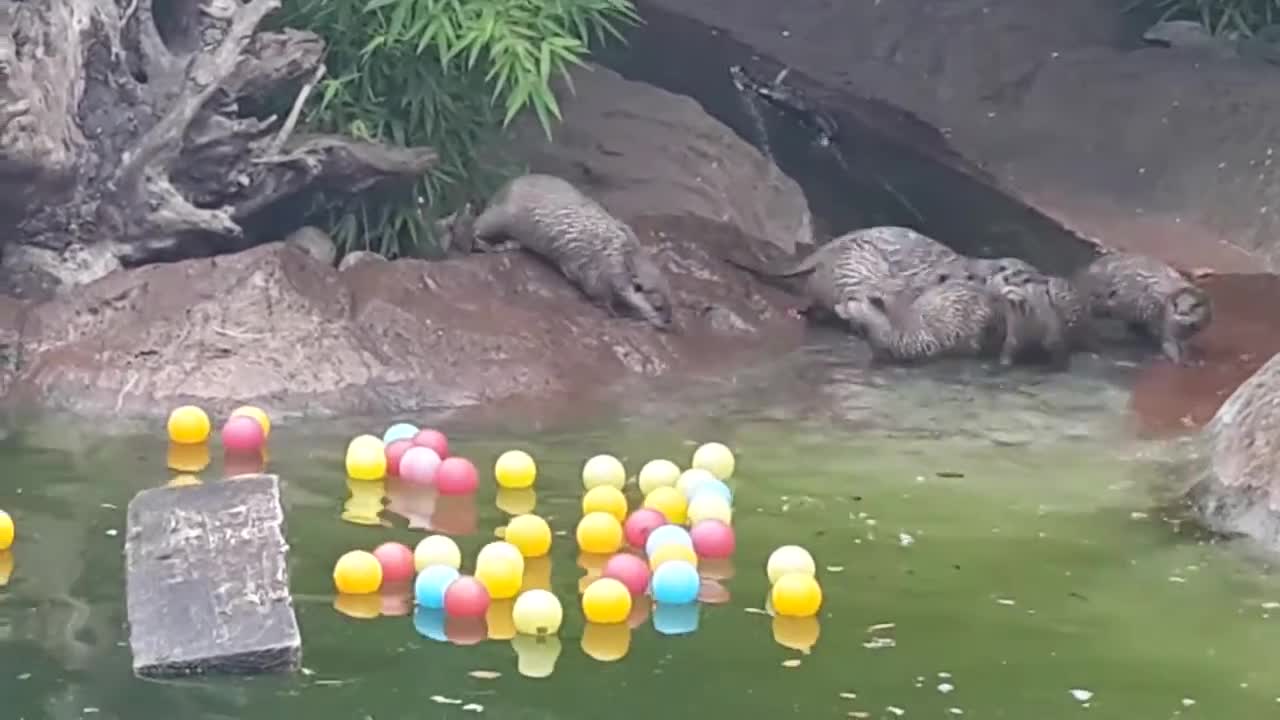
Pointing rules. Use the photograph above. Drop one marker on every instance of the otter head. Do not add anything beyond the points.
(648, 291)
(1188, 311)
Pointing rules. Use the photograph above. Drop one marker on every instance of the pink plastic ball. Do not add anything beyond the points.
(242, 434)
(396, 560)
(630, 570)
(395, 452)
(712, 538)
(466, 597)
(433, 439)
(640, 523)
(457, 476)
(420, 465)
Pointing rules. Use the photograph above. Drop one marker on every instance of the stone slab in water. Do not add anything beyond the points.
(208, 580)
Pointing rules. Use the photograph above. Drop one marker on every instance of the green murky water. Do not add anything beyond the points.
(984, 546)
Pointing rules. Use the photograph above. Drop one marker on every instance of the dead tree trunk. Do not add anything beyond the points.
(122, 137)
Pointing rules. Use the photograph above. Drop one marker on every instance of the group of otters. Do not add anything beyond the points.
(911, 298)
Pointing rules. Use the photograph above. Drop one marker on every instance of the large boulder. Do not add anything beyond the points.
(1238, 489)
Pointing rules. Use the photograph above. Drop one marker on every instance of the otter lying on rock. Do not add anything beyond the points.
(599, 253)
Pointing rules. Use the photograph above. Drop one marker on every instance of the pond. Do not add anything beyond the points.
(985, 543)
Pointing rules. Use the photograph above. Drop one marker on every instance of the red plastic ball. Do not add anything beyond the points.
(640, 523)
(396, 560)
(433, 439)
(395, 451)
(466, 597)
(712, 538)
(457, 476)
(242, 434)
(630, 570)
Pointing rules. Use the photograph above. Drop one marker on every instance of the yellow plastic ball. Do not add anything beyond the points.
(530, 534)
(672, 551)
(796, 594)
(357, 573)
(515, 469)
(606, 499)
(500, 576)
(789, 559)
(599, 533)
(656, 474)
(500, 550)
(256, 413)
(606, 601)
(537, 612)
(366, 458)
(436, 550)
(670, 502)
(188, 425)
(709, 506)
(693, 478)
(6, 531)
(603, 470)
(715, 457)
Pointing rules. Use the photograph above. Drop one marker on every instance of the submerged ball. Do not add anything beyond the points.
(709, 506)
(357, 573)
(366, 458)
(665, 535)
(515, 469)
(712, 539)
(715, 457)
(606, 601)
(640, 523)
(789, 559)
(599, 533)
(537, 612)
(457, 476)
(466, 597)
(796, 594)
(433, 439)
(657, 473)
(675, 583)
(396, 560)
(431, 584)
(530, 534)
(188, 425)
(668, 501)
(6, 531)
(419, 465)
(691, 480)
(607, 499)
(241, 433)
(399, 431)
(256, 413)
(603, 470)
(630, 570)
(436, 550)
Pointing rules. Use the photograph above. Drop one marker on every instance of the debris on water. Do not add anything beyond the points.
(1177, 579)
(1271, 605)
(1006, 601)
(835, 568)
(876, 643)
(109, 506)
(944, 675)
(896, 710)
(905, 540)
(473, 707)
(859, 714)
(24, 676)
(755, 611)
(881, 626)
(945, 688)
(91, 710)
(485, 674)
(849, 695)
(445, 700)
(793, 662)
(113, 532)
(955, 711)
(1137, 515)
(308, 671)
(1081, 695)
(1188, 702)
(950, 474)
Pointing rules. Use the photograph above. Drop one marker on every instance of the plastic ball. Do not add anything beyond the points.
(433, 439)
(537, 612)
(456, 476)
(357, 573)
(630, 570)
(658, 473)
(667, 534)
(692, 479)
(399, 431)
(500, 549)
(789, 559)
(713, 539)
(709, 506)
(366, 458)
(675, 583)
(436, 550)
(431, 584)
(188, 425)
(419, 465)
(501, 577)
(530, 534)
(603, 471)
(796, 594)
(715, 457)
(716, 487)
(256, 413)
(607, 499)
(466, 597)
(6, 531)
(672, 552)
(241, 433)
(599, 533)
(676, 619)
(395, 453)
(640, 523)
(396, 560)
(668, 501)
(606, 601)
(515, 469)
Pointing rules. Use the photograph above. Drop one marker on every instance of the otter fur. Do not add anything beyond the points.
(1150, 297)
(1047, 318)
(955, 318)
(599, 253)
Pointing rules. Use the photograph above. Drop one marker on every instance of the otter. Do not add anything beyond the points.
(1150, 297)
(1048, 318)
(549, 217)
(954, 318)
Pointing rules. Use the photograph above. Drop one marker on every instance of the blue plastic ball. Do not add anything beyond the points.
(675, 619)
(399, 431)
(719, 487)
(429, 588)
(664, 534)
(429, 623)
(675, 582)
